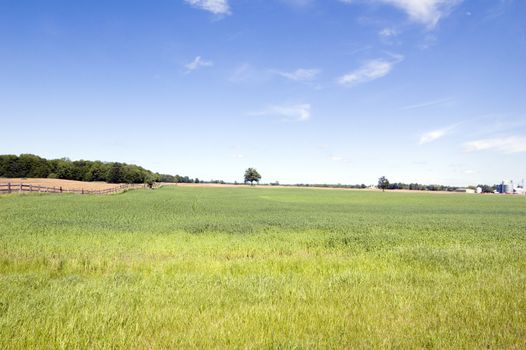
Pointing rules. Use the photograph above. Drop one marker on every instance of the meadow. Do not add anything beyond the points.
(247, 268)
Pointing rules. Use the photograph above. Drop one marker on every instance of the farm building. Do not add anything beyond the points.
(507, 188)
(465, 190)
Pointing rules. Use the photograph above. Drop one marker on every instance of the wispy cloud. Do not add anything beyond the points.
(510, 144)
(370, 70)
(300, 74)
(434, 135)
(432, 103)
(388, 33)
(426, 12)
(297, 112)
(197, 63)
(498, 9)
(492, 124)
(247, 73)
(217, 7)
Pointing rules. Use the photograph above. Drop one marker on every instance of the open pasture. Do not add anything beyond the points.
(182, 267)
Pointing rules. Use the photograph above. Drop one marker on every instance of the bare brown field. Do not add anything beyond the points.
(65, 184)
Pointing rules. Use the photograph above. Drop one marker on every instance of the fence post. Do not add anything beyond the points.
(30, 188)
(20, 188)
(9, 187)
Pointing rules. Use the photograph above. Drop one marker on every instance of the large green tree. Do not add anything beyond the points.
(383, 183)
(252, 175)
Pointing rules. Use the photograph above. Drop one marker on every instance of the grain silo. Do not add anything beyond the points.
(508, 187)
(505, 187)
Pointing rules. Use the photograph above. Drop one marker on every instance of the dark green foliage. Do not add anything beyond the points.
(31, 166)
(27, 165)
(252, 175)
(167, 178)
(114, 173)
(175, 179)
(487, 189)
(383, 183)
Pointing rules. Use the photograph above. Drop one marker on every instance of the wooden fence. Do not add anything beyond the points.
(21, 187)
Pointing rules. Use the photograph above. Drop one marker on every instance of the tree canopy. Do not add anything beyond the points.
(32, 166)
(383, 183)
(252, 175)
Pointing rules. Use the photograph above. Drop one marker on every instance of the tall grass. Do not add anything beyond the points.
(262, 268)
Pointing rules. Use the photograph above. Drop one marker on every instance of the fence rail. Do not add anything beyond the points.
(10, 187)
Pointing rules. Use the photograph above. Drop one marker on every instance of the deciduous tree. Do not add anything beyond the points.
(252, 175)
(383, 183)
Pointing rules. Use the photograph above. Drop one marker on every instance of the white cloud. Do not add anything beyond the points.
(511, 144)
(247, 73)
(300, 74)
(438, 102)
(434, 135)
(387, 33)
(370, 70)
(197, 63)
(217, 7)
(427, 12)
(298, 112)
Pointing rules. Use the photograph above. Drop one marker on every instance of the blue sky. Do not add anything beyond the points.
(311, 91)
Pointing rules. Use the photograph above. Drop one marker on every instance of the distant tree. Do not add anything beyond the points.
(149, 181)
(487, 189)
(252, 175)
(383, 183)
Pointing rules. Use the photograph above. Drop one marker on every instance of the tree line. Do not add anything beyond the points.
(32, 166)
(384, 184)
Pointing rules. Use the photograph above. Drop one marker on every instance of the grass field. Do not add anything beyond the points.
(262, 268)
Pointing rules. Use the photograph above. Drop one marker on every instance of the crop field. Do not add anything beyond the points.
(65, 184)
(189, 267)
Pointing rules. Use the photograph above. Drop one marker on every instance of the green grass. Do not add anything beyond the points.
(262, 268)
